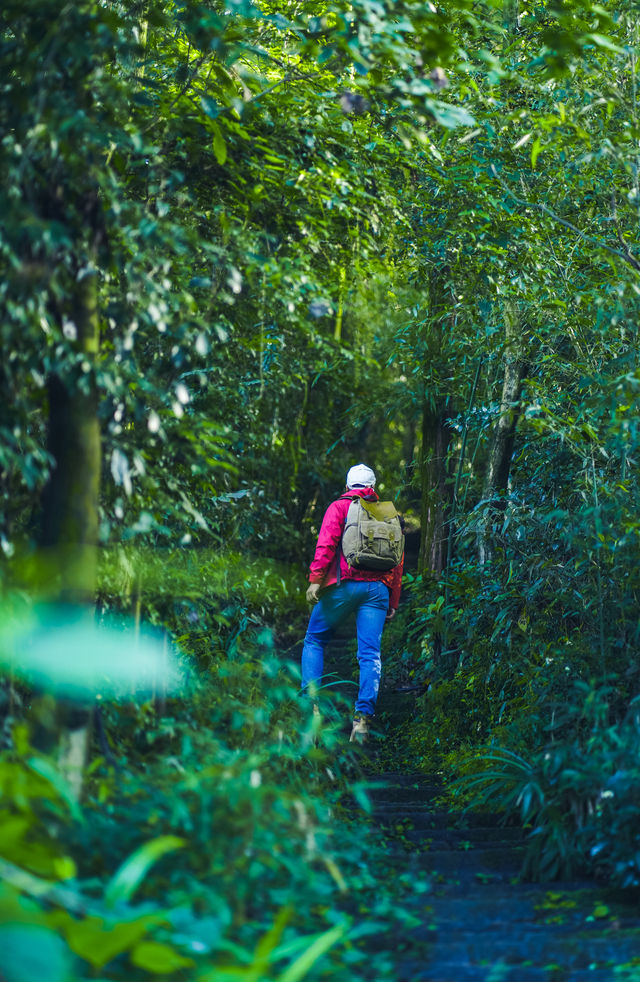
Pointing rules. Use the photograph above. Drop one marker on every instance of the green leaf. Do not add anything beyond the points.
(99, 941)
(130, 875)
(521, 142)
(601, 41)
(46, 770)
(48, 644)
(210, 106)
(158, 958)
(30, 953)
(302, 965)
(449, 116)
(535, 151)
(363, 799)
(219, 145)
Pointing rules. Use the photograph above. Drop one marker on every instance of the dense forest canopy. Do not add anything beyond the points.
(244, 246)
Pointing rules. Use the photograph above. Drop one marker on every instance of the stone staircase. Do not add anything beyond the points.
(478, 919)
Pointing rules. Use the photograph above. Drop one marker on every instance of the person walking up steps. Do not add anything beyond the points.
(357, 568)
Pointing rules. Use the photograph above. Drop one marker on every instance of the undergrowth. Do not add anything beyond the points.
(513, 727)
(224, 837)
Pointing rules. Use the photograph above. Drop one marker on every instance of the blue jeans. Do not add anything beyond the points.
(370, 601)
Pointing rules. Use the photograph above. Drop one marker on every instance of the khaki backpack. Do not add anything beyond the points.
(372, 537)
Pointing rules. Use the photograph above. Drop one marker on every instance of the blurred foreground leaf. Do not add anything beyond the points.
(45, 769)
(130, 875)
(31, 953)
(303, 965)
(64, 650)
(158, 958)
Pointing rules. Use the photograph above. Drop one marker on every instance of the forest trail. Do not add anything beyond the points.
(479, 920)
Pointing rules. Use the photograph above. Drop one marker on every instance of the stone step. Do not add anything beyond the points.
(398, 780)
(422, 819)
(478, 919)
(490, 892)
(464, 839)
(496, 971)
(404, 794)
(424, 827)
(487, 906)
(536, 948)
(502, 864)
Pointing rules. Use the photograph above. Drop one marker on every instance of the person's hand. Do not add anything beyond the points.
(313, 593)
(391, 613)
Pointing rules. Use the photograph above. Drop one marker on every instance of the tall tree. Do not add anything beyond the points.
(498, 465)
(436, 483)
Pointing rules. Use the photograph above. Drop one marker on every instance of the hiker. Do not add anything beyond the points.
(341, 584)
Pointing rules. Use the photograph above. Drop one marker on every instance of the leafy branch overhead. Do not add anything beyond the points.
(244, 246)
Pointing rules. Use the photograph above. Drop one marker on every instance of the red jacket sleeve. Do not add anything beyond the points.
(396, 584)
(328, 538)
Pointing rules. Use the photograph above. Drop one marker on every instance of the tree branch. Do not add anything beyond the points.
(627, 256)
(614, 210)
(192, 74)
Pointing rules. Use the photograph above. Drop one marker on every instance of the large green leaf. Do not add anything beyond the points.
(448, 115)
(305, 962)
(98, 940)
(30, 953)
(158, 958)
(130, 875)
(65, 650)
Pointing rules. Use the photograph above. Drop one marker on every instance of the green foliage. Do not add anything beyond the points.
(208, 168)
(577, 795)
(224, 850)
(36, 804)
(45, 646)
(312, 229)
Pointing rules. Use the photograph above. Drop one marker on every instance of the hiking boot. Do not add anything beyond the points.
(360, 729)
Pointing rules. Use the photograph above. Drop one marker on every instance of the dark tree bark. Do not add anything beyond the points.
(436, 490)
(436, 486)
(410, 461)
(496, 480)
(511, 13)
(70, 499)
(70, 503)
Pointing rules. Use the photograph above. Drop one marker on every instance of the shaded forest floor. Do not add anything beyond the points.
(476, 918)
(470, 913)
(245, 838)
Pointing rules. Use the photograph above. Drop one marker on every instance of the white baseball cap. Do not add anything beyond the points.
(361, 476)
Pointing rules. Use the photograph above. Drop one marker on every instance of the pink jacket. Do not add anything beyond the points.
(323, 568)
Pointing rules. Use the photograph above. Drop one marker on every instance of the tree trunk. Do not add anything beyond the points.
(70, 503)
(511, 13)
(501, 448)
(410, 461)
(70, 499)
(436, 491)
(436, 488)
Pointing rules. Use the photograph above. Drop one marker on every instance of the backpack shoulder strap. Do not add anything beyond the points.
(351, 498)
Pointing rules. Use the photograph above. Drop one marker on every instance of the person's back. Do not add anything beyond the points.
(341, 585)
